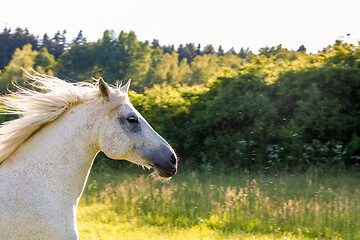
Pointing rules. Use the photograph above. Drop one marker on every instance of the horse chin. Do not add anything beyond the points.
(157, 174)
(157, 177)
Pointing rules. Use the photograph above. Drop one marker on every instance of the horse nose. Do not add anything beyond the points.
(173, 164)
(173, 160)
(166, 168)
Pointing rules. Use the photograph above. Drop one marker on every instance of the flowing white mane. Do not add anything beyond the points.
(40, 108)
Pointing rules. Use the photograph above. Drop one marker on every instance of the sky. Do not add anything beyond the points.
(230, 23)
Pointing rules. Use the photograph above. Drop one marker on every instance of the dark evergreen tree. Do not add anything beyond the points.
(155, 44)
(5, 48)
(168, 49)
(79, 40)
(231, 51)
(9, 42)
(181, 53)
(302, 48)
(188, 52)
(198, 50)
(243, 53)
(220, 51)
(46, 42)
(59, 44)
(22, 37)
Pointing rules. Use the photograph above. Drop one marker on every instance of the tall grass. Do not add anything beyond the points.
(227, 205)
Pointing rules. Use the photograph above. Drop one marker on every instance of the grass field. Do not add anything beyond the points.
(217, 205)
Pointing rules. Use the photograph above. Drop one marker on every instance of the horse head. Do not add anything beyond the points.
(125, 134)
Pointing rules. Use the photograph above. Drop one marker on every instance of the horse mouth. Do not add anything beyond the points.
(163, 171)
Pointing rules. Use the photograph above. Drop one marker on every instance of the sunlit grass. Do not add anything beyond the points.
(216, 205)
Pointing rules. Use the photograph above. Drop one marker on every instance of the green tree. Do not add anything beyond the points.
(204, 69)
(55, 46)
(188, 52)
(9, 42)
(231, 51)
(302, 48)
(112, 58)
(220, 51)
(22, 58)
(168, 110)
(138, 59)
(44, 61)
(209, 49)
(320, 102)
(78, 63)
(167, 70)
(244, 52)
(232, 120)
(79, 40)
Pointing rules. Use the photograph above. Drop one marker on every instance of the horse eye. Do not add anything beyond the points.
(133, 119)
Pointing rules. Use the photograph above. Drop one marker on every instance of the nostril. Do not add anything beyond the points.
(173, 159)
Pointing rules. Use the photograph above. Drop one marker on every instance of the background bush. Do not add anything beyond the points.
(277, 109)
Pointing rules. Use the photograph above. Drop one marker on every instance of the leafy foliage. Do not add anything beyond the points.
(275, 109)
(10, 42)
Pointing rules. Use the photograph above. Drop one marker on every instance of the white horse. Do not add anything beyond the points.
(46, 155)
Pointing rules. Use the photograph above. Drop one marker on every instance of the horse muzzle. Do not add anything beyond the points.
(162, 159)
(166, 168)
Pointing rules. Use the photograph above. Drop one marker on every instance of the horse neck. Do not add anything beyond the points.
(61, 154)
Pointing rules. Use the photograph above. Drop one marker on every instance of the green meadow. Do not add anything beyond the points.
(130, 204)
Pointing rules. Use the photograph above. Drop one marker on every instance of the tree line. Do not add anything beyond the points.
(10, 41)
(279, 108)
(119, 57)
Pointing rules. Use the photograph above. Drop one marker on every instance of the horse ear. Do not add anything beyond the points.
(104, 89)
(125, 88)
